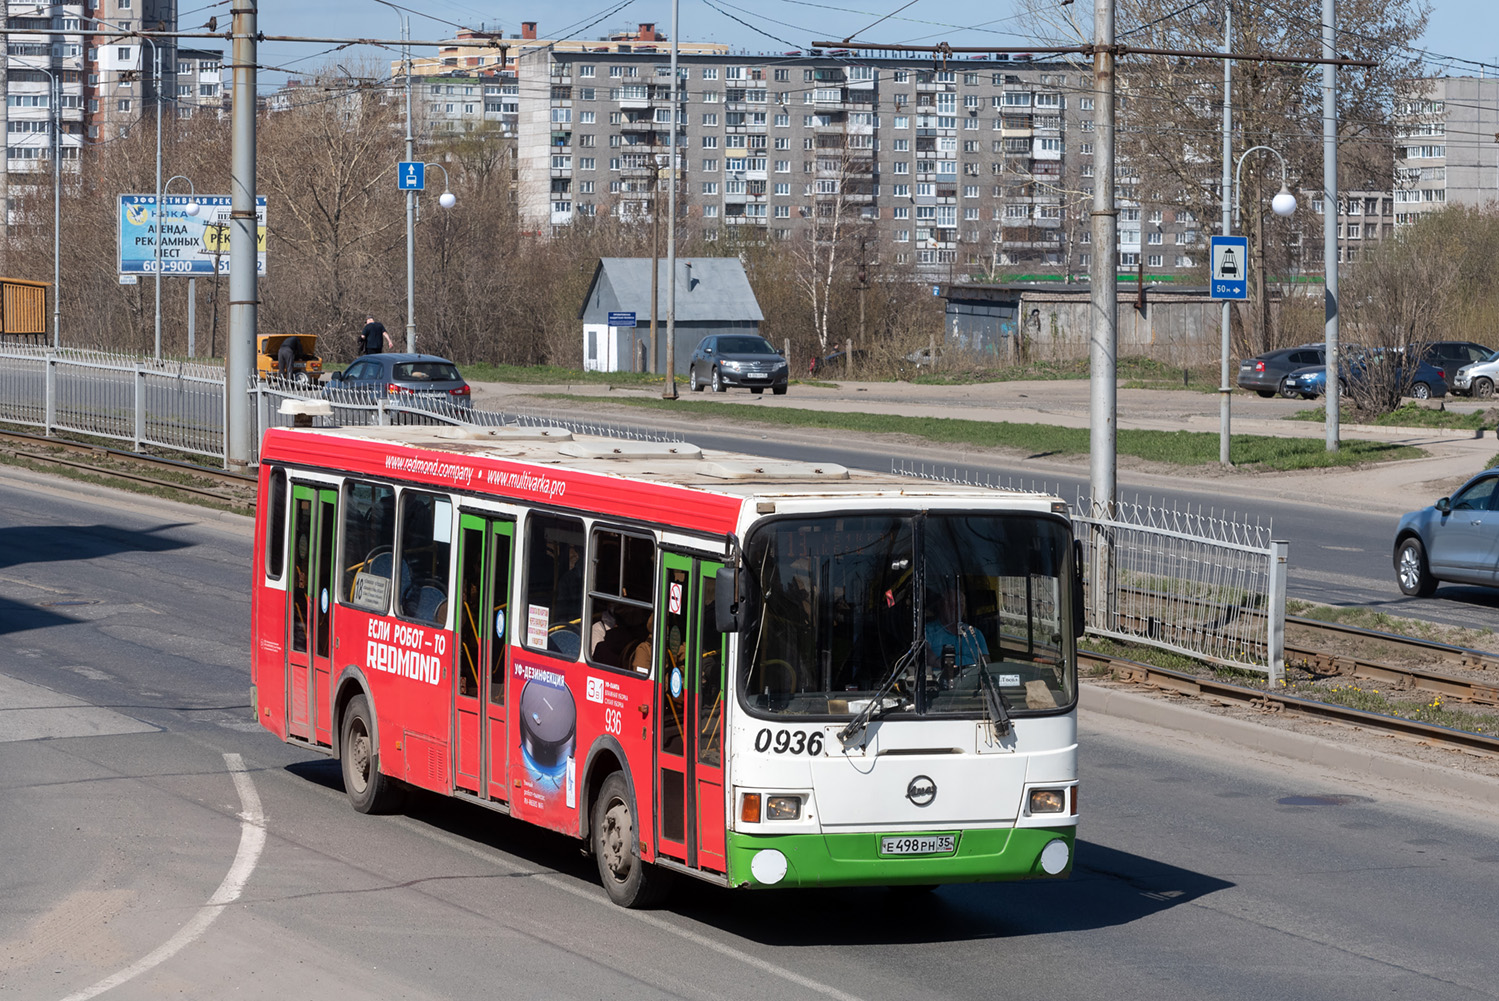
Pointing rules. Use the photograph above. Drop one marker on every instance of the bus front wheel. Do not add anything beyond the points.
(369, 791)
(628, 881)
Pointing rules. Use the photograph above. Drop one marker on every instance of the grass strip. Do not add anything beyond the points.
(1407, 415)
(1182, 448)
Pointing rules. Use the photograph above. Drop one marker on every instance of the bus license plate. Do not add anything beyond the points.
(919, 845)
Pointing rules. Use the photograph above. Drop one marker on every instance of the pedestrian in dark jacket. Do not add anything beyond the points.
(373, 339)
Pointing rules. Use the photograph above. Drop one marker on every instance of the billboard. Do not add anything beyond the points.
(190, 244)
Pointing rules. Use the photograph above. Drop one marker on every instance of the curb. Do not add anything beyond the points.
(1289, 746)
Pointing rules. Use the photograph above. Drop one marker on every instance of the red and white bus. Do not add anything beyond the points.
(756, 672)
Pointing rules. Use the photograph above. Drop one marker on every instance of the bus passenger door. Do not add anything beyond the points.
(689, 680)
(484, 555)
(310, 594)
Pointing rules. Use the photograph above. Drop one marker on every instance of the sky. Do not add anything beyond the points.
(761, 25)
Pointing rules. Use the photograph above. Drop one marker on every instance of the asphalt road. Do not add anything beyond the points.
(138, 855)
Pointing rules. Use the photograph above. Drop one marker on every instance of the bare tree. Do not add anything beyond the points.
(1170, 111)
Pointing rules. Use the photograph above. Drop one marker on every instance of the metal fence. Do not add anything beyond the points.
(1186, 581)
(1204, 584)
(171, 405)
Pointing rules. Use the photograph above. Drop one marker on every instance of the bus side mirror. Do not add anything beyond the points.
(1079, 613)
(731, 607)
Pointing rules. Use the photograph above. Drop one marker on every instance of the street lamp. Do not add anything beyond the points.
(1283, 204)
(410, 193)
(54, 101)
(156, 84)
(447, 199)
(191, 208)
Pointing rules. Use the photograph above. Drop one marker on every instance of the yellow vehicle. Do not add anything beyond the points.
(307, 367)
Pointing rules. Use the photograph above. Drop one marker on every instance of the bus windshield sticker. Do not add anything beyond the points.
(537, 618)
(371, 592)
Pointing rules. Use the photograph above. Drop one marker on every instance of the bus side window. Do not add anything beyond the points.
(426, 553)
(369, 537)
(275, 536)
(619, 599)
(554, 584)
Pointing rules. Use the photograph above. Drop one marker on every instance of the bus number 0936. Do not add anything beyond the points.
(789, 742)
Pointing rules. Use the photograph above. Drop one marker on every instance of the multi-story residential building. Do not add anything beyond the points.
(456, 103)
(42, 77)
(121, 86)
(200, 83)
(968, 166)
(481, 53)
(1445, 151)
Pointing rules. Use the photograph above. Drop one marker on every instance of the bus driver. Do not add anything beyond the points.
(947, 635)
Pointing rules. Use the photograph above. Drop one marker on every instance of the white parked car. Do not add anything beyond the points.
(1479, 378)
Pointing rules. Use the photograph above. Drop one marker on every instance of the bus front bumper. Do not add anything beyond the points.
(756, 860)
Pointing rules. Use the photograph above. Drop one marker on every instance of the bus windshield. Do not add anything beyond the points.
(929, 603)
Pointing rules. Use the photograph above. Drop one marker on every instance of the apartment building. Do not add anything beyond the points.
(120, 83)
(104, 84)
(969, 165)
(456, 103)
(42, 77)
(477, 52)
(200, 83)
(1445, 148)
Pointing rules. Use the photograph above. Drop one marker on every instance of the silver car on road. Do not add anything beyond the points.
(1455, 540)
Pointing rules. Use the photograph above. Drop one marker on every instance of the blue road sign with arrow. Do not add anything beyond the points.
(1230, 267)
(411, 175)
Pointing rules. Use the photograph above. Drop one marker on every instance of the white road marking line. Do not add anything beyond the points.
(251, 841)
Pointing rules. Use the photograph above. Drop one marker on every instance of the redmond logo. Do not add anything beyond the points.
(921, 790)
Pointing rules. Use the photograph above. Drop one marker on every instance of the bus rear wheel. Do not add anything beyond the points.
(369, 791)
(628, 881)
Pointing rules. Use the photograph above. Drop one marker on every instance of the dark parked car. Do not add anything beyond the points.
(724, 360)
(1311, 382)
(1267, 374)
(1456, 539)
(1449, 356)
(396, 375)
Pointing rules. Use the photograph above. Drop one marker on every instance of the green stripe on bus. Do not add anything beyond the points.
(855, 859)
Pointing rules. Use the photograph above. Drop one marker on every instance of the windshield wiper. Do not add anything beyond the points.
(875, 705)
(994, 699)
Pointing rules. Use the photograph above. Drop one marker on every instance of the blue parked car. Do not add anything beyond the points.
(1311, 382)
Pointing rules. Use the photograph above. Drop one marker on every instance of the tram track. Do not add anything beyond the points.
(1478, 687)
(172, 475)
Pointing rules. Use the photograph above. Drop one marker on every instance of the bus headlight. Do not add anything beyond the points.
(1048, 800)
(783, 807)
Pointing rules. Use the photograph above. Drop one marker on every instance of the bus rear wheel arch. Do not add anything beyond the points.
(613, 837)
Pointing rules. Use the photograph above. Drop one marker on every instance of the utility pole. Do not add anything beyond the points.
(410, 193)
(669, 392)
(655, 255)
(1330, 216)
(1225, 389)
(239, 354)
(1104, 338)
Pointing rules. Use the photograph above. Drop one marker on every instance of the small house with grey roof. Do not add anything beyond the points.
(713, 297)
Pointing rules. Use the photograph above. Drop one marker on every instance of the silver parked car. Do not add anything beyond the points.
(1454, 540)
(1479, 378)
